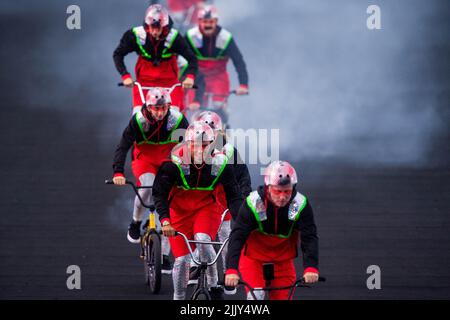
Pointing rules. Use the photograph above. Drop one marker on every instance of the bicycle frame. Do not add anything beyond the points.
(201, 287)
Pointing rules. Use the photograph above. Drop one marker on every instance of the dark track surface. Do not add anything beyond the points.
(61, 116)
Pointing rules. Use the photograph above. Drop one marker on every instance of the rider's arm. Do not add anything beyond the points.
(242, 175)
(244, 224)
(232, 191)
(238, 60)
(127, 140)
(165, 179)
(126, 45)
(181, 47)
(309, 239)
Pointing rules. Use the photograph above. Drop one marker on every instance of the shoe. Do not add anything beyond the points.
(216, 293)
(166, 267)
(194, 273)
(134, 232)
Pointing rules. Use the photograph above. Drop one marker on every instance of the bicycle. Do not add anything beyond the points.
(201, 290)
(151, 252)
(269, 276)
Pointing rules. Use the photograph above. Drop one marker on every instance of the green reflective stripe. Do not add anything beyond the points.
(183, 70)
(196, 51)
(166, 55)
(210, 58)
(224, 164)
(295, 220)
(140, 126)
(141, 48)
(225, 46)
(173, 39)
(229, 153)
(260, 226)
(175, 127)
(160, 142)
(210, 188)
(255, 213)
(183, 178)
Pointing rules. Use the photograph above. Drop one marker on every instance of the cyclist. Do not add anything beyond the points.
(157, 45)
(267, 231)
(184, 197)
(152, 132)
(240, 171)
(214, 46)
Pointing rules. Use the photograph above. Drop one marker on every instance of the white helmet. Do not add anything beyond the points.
(157, 97)
(210, 118)
(280, 173)
(156, 16)
(199, 132)
(208, 11)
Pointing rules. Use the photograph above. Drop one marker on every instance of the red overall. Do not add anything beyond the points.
(192, 211)
(261, 248)
(217, 80)
(147, 158)
(222, 201)
(165, 75)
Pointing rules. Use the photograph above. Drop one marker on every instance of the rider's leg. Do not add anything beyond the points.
(207, 253)
(252, 272)
(284, 276)
(181, 222)
(180, 276)
(207, 222)
(145, 180)
(223, 234)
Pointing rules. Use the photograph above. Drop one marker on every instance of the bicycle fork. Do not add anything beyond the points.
(151, 226)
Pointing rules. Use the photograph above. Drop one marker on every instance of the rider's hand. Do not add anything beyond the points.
(194, 106)
(128, 82)
(311, 277)
(119, 180)
(188, 83)
(242, 90)
(168, 230)
(231, 280)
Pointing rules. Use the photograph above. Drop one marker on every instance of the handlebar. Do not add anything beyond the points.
(188, 242)
(120, 84)
(151, 207)
(298, 283)
(141, 88)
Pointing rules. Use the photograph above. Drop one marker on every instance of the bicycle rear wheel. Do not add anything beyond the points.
(152, 261)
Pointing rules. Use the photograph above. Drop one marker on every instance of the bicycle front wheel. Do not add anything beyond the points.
(152, 261)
